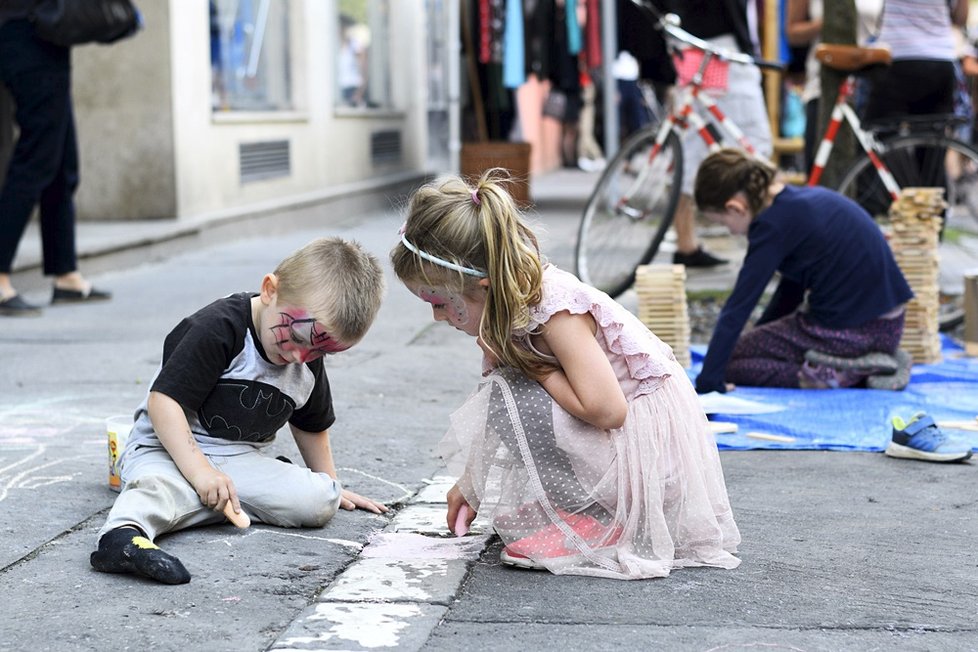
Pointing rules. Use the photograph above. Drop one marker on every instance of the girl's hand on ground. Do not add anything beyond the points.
(730, 387)
(455, 501)
(351, 501)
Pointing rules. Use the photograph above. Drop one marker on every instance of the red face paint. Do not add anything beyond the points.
(301, 338)
(446, 305)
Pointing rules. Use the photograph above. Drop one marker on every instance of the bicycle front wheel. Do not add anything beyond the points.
(917, 161)
(629, 212)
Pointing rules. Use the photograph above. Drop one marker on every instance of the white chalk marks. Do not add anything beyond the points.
(39, 439)
(21, 470)
(395, 594)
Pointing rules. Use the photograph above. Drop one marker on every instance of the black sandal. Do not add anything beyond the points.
(62, 295)
(15, 306)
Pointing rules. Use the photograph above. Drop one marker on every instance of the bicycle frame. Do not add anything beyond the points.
(843, 112)
(686, 118)
(682, 118)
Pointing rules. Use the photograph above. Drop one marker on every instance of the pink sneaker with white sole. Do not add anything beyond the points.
(551, 543)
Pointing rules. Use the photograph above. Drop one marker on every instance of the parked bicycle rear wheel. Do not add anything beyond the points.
(916, 161)
(629, 212)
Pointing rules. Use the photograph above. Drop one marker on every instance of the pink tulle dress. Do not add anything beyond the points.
(630, 503)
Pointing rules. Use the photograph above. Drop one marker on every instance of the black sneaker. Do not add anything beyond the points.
(698, 258)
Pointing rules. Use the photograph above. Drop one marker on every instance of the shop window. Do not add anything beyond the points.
(250, 61)
(363, 61)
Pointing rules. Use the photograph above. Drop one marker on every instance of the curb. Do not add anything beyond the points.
(400, 586)
(112, 245)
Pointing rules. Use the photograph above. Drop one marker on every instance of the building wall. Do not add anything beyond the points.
(123, 112)
(152, 147)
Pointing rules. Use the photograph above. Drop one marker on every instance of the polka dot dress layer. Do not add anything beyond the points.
(633, 502)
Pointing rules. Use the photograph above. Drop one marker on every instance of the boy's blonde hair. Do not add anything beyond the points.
(728, 171)
(338, 282)
(478, 227)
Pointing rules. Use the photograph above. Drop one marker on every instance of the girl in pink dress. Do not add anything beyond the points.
(585, 444)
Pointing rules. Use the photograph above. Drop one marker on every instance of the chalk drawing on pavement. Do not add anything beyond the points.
(24, 473)
(407, 492)
(279, 532)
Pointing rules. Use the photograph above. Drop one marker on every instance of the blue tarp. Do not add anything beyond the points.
(855, 419)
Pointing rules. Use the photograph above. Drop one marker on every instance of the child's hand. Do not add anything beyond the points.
(215, 489)
(351, 501)
(455, 502)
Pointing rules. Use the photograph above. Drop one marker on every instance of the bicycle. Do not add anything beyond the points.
(635, 199)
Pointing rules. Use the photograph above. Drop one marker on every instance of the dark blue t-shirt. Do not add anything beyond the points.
(822, 243)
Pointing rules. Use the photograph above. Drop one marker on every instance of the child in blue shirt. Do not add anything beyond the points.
(841, 296)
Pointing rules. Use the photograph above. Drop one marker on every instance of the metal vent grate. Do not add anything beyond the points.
(264, 160)
(385, 147)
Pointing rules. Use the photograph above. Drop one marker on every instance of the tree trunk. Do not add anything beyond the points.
(838, 26)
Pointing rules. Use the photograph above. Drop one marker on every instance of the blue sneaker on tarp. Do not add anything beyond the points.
(921, 439)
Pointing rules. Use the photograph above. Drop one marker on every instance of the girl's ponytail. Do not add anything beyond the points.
(515, 275)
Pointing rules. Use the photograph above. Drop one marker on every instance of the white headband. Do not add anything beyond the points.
(439, 261)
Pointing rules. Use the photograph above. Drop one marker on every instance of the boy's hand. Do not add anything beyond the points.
(215, 489)
(351, 501)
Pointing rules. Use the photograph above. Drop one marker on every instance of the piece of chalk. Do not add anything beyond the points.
(239, 519)
(723, 427)
(461, 526)
(959, 425)
(769, 437)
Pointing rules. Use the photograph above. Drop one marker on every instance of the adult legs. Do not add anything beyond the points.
(743, 102)
(43, 169)
(915, 87)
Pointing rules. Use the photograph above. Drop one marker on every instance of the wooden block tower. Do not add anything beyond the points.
(915, 219)
(662, 306)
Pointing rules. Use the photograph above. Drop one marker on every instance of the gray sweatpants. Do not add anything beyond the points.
(157, 499)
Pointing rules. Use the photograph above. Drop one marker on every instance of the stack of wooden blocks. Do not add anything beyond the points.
(915, 219)
(662, 306)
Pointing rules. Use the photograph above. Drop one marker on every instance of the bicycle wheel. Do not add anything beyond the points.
(918, 161)
(629, 212)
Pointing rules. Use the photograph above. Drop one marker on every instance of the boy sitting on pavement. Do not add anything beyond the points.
(232, 374)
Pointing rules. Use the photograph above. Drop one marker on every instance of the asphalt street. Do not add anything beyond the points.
(841, 551)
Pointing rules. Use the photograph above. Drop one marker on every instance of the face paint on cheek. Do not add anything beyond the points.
(297, 332)
(452, 303)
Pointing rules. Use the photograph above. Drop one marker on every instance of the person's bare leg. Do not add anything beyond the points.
(73, 287)
(685, 225)
(11, 303)
(6, 288)
(689, 252)
(72, 281)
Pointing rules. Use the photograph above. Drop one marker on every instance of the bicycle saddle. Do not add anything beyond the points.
(850, 58)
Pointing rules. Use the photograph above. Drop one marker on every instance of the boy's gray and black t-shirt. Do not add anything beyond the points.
(234, 398)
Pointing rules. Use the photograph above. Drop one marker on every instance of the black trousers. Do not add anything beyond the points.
(43, 168)
(912, 87)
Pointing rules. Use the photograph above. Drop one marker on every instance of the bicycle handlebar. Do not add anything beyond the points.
(669, 23)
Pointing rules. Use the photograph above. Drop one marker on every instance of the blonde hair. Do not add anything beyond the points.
(479, 227)
(723, 174)
(337, 281)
